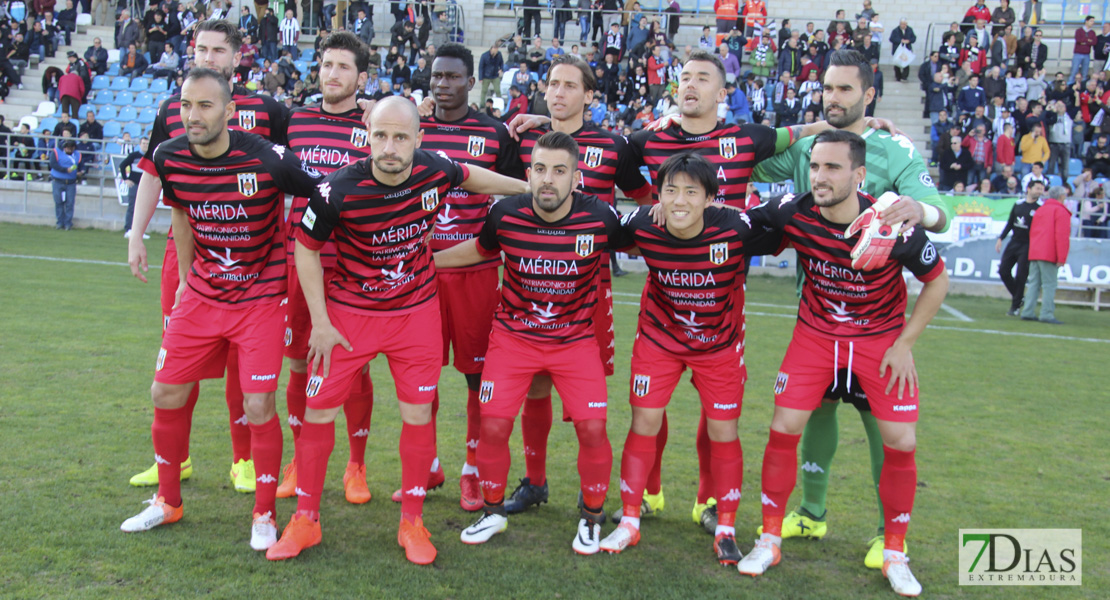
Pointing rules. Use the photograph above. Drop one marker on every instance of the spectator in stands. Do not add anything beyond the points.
(982, 155)
(400, 74)
(738, 109)
(533, 17)
(971, 96)
(71, 90)
(1098, 156)
(902, 35)
(1095, 215)
(1016, 85)
(537, 57)
(441, 29)
(656, 73)
(727, 12)
(65, 124)
(1002, 16)
(1036, 173)
(169, 63)
(979, 119)
(926, 73)
(999, 56)
(998, 182)
(67, 21)
(268, 35)
(1102, 47)
(156, 35)
(23, 151)
(1084, 185)
(753, 15)
(96, 57)
(1049, 241)
(936, 100)
(1089, 100)
(1085, 40)
(788, 112)
(762, 55)
(993, 87)
(1032, 15)
(614, 40)
(973, 55)
(63, 168)
(518, 103)
(5, 141)
(86, 156)
(955, 164)
(290, 30)
(1060, 127)
(8, 68)
(91, 126)
(1032, 56)
(1034, 149)
(949, 51)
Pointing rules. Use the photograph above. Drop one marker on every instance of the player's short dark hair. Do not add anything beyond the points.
(198, 73)
(557, 140)
(589, 80)
(234, 38)
(693, 166)
(456, 50)
(852, 58)
(857, 147)
(706, 56)
(345, 40)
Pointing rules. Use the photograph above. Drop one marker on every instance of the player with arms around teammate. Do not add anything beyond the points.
(555, 241)
(893, 164)
(469, 295)
(217, 48)
(382, 300)
(689, 320)
(327, 137)
(848, 318)
(227, 191)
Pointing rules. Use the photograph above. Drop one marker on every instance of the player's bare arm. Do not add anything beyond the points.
(484, 181)
(183, 238)
(324, 336)
(910, 212)
(146, 200)
(462, 254)
(899, 357)
(522, 123)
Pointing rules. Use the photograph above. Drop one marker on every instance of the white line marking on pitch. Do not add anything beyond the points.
(955, 313)
(71, 260)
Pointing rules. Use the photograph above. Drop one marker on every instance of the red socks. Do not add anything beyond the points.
(535, 425)
(240, 431)
(897, 485)
(418, 449)
(314, 446)
(636, 460)
(170, 433)
(358, 409)
(266, 452)
(705, 473)
(655, 477)
(473, 426)
(780, 473)
(494, 459)
(727, 462)
(295, 400)
(191, 404)
(595, 462)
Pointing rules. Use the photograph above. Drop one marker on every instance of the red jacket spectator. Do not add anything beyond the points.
(978, 11)
(754, 13)
(519, 105)
(806, 68)
(656, 70)
(42, 6)
(1004, 150)
(72, 85)
(970, 142)
(726, 9)
(1085, 40)
(1049, 233)
(978, 59)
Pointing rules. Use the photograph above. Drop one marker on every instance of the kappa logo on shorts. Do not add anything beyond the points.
(358, 137)
(641, 384)
(248, 184)
(313, 386)
(246, 120)
(476, 146)
(727, 147)
(485, 393)
(584, 245)
(593, 156)
(780, 383)
(161, 359)
(430, 199)
(288, 336)
(718, 253)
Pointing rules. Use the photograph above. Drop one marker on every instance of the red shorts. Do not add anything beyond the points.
(169, 281)
(298, 323)
(603, 321)
(812, 363)
(511, 362)
(408, 340)
(467, 302)
(718, 376)
(195, 344)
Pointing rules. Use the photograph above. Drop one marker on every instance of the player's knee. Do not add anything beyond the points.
(169, 397)
(298, 365)
(416, 414)
(495, 431)
(902, 441)
(789, 421)
(722, 430)
(647, 421)
(320, 416)
(591, 432)
(259, 408)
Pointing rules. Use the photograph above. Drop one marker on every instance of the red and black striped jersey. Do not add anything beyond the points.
(236, 208)
(603, 160)
(549, 289)
(478, 140)
(694, 296)
(837, 300)
(326, 142)
(734, 150)
(380, 231)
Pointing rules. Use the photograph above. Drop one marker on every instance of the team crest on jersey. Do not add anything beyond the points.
(584, 245)
(780, 383)
(313, 386)
(718, 253)
(727, 147)
(593, 156)
(476, 146)
(246, 120)
(485, 393)
(288, 336)
(359, 137)
(248, 184)
(161, 359)
(641, 384)
(430, 199)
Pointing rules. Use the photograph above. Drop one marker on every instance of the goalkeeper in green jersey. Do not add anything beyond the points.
(892, 164)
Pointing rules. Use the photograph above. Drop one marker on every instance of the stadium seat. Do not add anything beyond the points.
(104, 96)
(1098, 180)
(120, 83)
(308, 55)
(84, 110)
(1075, 166)
(158, 86)
(101, 82)
(124, 98)
(160, 98)
(106, 113)
(147, 115)
(301, 66)
(32, 123)
(127, 114)
(48, 123)
(113, 69)
(135, 130)
(1054, 180)
(139, 84)
(84, 19)
(112, 148)
(143, 100)
(112, 130)
(46, 108)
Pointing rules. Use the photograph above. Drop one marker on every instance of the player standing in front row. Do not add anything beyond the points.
(327, 137)
(854, 319)
(227, 192)
(689, 319)
(555, 241)
(382, 300)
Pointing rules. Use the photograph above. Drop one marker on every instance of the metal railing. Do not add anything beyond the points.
(24, 166)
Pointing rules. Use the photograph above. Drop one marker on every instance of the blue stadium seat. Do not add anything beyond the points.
(84, 110)
(143, 100)
(1075, 166)
(301, 66)
(112, 148)
(104, 96)
(134, 129)
(147, 115)
(120, 84)
(1102, 181)
(139, 84)
(158, 86)
(112, 130)
(124, 98)
(128, 114)
(113, 70)
(101, 82)
(160, 98)
(48, 123)
(308, 55)
(1054, 180)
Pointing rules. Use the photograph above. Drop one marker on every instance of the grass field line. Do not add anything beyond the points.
(71, 260)
(1045, 336)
